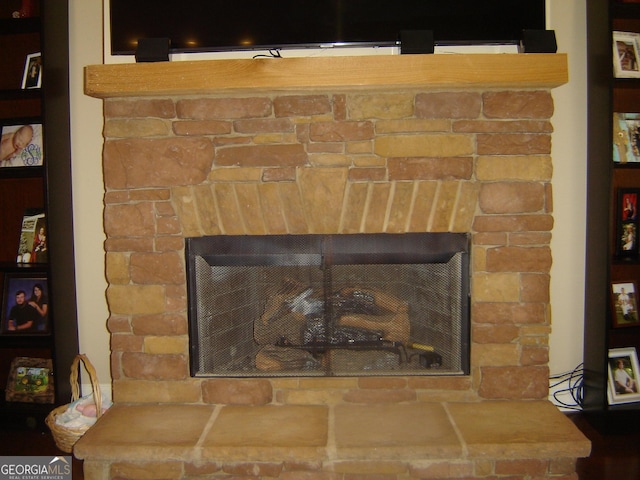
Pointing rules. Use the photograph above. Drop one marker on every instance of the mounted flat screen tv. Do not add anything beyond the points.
(224, 25)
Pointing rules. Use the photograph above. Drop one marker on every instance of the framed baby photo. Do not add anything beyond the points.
(30, 380)
(26, 305)
(32, 76)
(627, 223)
(624, 304)
(21, 144)
(626, 60)
(623, 373)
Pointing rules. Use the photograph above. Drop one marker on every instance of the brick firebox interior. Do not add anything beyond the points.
(333, 145)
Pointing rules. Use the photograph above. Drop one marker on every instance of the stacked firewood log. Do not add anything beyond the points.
(299, 322)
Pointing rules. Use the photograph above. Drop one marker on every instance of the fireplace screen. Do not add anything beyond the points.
(329, 305)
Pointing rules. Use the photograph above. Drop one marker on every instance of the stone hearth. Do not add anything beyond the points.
(423, 440)
(412, 143)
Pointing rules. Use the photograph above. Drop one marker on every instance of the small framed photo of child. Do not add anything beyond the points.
(626, 59)
(627, 223)
(623, 376)
(624, 303)
(33, 246)
(21, 144)
(32, 76)
(626, 138)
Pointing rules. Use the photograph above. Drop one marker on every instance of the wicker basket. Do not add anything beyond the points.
(66, 437)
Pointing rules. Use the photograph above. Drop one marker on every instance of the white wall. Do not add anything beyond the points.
(85, 48)
(569, 151)
(567, 17)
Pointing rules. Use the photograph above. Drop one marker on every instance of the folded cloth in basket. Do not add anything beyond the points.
(82, 412)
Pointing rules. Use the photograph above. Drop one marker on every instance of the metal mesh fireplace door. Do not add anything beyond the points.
(328, 305)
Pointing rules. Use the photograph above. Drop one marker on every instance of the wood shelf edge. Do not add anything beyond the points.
(323, 73)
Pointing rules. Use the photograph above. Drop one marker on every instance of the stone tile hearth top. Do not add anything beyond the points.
(510, 429)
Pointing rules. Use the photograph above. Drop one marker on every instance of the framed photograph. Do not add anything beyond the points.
(21, 144)
(626, 61)
(30, 380)
(26, 305)
(32, 76)
(33, 246)
(626, 138)
(627, 223)
(624, 303)
(623, 376)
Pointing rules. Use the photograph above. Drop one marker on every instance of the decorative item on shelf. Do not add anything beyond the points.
(32, 76)
(624, 303)
(28, 8)
(21, 144)
(26, 305)
(627, 223)
(68, 423)
(33, 246)
(10, 8)
(30, 380)
(626, 138)
(623, 376)
(626, 60)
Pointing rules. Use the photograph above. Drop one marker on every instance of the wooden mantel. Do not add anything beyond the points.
(323, 73)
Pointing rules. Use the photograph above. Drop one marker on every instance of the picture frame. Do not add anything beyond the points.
(30, 380)
(626, 138)
(626, 59)
(32, 76)
(34, 245)
(623, 371)
(21, 143)
(25, 305)
(624, 304)
(626, 234)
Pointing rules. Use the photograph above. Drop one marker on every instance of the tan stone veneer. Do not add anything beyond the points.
(423, 143)
(339, 162)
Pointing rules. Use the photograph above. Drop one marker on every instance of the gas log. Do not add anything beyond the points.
(299, 322)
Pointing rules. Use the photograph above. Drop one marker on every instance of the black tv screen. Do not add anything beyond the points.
(223, 25)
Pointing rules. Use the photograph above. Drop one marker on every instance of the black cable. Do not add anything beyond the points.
(273, 53)
(574, 381)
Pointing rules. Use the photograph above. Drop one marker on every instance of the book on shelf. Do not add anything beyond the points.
(33, 247)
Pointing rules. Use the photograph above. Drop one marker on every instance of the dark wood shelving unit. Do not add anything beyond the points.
(607, 95)
(47, 187)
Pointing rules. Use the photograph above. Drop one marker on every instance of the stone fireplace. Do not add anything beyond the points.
(393, 145)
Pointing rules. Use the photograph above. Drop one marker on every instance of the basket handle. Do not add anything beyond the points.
(95, 386)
